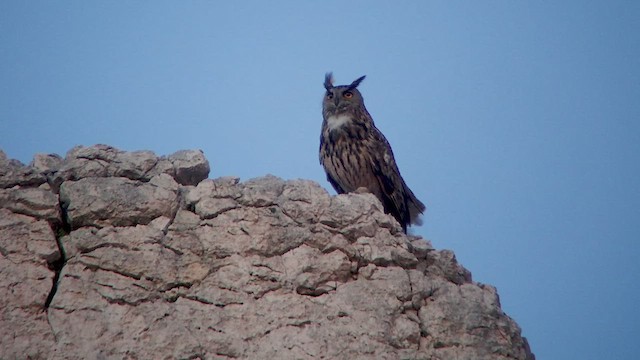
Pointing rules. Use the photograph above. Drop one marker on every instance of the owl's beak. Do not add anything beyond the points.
(336, 100)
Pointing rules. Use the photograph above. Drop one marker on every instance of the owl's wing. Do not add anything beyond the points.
(397, 197)
(335, 184)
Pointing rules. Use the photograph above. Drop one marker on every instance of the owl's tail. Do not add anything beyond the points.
(415, 207)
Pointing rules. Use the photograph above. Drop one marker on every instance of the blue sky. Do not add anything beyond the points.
(515, 122)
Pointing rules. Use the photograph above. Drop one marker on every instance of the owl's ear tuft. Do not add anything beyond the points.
(328, 81)
(356, 82)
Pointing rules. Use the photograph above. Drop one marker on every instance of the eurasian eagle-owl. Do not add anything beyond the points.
(355, 154)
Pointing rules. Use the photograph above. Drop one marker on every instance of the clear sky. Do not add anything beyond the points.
(515, 122)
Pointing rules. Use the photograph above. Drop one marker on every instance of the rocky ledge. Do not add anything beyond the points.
(108, 254)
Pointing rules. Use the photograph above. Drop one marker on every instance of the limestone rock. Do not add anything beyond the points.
(27, 249)
(115, 201)
(186, 167)
(38, 202)
(46, 163)
(190, 166)
(14, 173)
(150, 260)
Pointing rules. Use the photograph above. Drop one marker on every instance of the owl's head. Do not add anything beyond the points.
(341, 99)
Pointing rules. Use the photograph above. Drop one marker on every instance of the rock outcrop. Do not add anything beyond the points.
(108, 254)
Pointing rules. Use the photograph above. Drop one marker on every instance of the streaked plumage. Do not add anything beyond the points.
(355, 154)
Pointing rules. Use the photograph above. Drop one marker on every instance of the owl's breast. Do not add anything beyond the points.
(346, 161)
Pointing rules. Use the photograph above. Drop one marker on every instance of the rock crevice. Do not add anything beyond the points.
(150, 259)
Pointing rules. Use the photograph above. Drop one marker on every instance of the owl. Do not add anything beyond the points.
(355, 154)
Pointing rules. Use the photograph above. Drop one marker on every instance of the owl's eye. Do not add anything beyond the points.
(329, 95)
(347, 94)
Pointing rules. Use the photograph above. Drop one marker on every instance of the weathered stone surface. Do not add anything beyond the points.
(190, 166)
(38, 202)
(467, 316)
(14, 173)
(159, 263)
(27, 246)
(187, 167)
(116, 201)
(46, 163)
